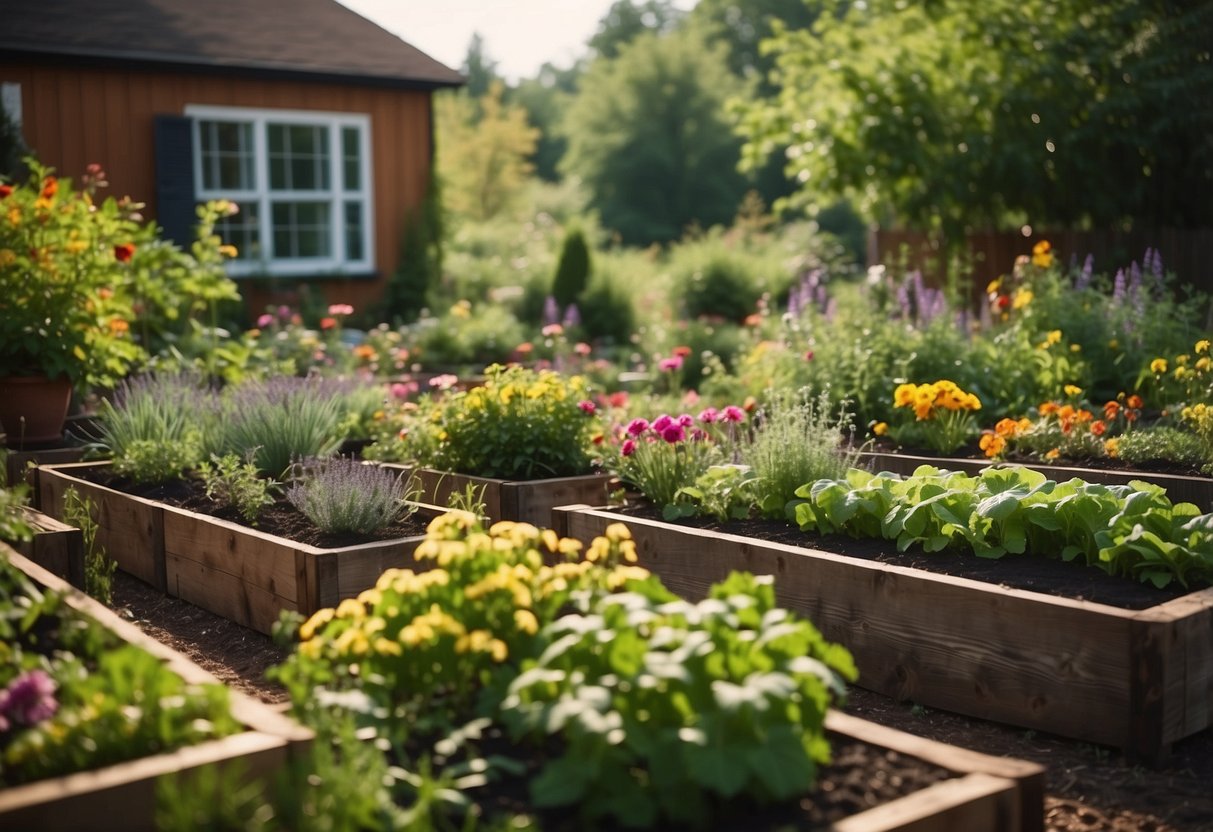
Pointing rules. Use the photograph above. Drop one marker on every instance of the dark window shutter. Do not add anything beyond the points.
(175, 195)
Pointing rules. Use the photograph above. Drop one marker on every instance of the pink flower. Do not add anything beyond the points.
(637, 427)
(733, 413)
(808, 356)
(587, 407)
(674, 433)
(628, 447)
(699, 434)
(618, 399)
(28, 700)
(284, 312)
(265, 320)
(686, 420)
(710, 415)
(582, 348)
(661, 423)
(669, 365)
(690, 398)
(552, 329)
(444, 382)
(402, 390)
(341, 309)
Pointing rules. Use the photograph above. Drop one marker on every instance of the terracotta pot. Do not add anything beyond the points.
(33, 409)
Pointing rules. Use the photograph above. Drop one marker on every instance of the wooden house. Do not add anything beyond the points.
(313, 119)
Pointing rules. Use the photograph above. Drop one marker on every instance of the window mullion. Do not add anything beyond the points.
(261, 177)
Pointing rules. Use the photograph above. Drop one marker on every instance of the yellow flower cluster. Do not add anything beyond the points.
(925, 399)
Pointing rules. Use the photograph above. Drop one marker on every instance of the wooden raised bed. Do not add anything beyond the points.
(55, 546)
(987, 793)
(21, 466)
(123, 796)
(1137, 679)
(1180, 488)
(129, 528)
(527, 501)
(249, 576)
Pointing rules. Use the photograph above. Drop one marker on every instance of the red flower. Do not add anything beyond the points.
(682, 352)
(50, 186)
(5, 190)
(328, 323)
(123, 252)
(1003, 301)
(587, 407)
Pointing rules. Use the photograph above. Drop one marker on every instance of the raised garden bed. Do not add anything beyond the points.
(123, 796)
(1137, 679)
(527, 501)
(55, 546)
(227, 568)
(21, 466)
(1179, 487)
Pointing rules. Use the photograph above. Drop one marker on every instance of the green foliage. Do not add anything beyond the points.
(712, 279)
(667, 708)
(421, 255)
(153, 426)
(725, 492)
(93, 700)
(237, 484)
(14, 527)
(742, 26)
(951, 115)
(1133, 530)
(345, 495)
(608, 312)
(662, 458)
(626, 20)
(1162, 444)
(467, 336)
(648, 137)
(795, 440)
(573, 269)
(520, 424)
(98, 566)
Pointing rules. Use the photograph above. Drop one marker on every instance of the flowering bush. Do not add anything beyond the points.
(1064, 430)
(943, 415)
(66, 287)
(520, 424)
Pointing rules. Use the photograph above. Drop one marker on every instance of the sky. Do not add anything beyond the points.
(520, 35)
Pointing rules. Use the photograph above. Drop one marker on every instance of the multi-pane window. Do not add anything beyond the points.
(302, 181)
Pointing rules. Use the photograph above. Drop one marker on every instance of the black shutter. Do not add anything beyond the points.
(176, 203)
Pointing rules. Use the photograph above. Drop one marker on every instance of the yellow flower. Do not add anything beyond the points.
(880, 428)
(617, 532)
(993, 286)
(1182, 360)
(318, 619)
(7, 257)
(1202, 346)
(1202, 364)
(1112, 446)
(1053, 337)
(1053, 454)
(1113, 344)
(1158, 366)
(228, 251)
(1022, 298)
(1072, 390)
(525, 620)
(350, 608)
(1042, 254)
(1075, 347)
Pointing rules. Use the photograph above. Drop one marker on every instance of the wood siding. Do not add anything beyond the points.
(73, 117)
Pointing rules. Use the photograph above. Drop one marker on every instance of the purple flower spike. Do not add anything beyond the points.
(28, 700)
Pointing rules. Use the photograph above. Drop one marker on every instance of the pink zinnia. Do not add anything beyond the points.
(582, 348)
(587, 407)
(628, 447)
(686, 420)
(265, 320)
(669, 365)
(638, 426)
(661, 423)
(341, 309)
(733, 413)
(710, 415)
(674, 433)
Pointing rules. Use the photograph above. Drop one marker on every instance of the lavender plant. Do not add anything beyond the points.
(153, 426)
(345, 495)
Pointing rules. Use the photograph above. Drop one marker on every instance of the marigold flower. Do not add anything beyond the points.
(1022, 298)
(992, 444)
(1047, 408)
(1202, 346)
(1042, 255)
(1053, 454)
(1053, 337)
(1112, 446)
(1111, 409)
(1072, 390)
(119, 326)
(1098, 428)
(1006, 428)
(1135, 402)
(1158, 366)
(880, 428)
(123, 252)
(50, 186)
(682, 351)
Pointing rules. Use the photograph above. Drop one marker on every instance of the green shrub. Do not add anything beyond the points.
(572, 270)
(1162, 444)
(468, 335)
(712, 280)
(608, 312)
(154, 426)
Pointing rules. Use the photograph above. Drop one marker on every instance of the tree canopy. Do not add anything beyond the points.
(951, 114)
(649, 137)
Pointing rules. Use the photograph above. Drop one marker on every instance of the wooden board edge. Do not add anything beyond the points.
(971, 802)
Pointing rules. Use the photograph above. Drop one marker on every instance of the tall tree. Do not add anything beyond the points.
(480, 69)
(742, 26)
(649, 137)
(952, 114)
(627, 20)
(544, 98)
(483, 159)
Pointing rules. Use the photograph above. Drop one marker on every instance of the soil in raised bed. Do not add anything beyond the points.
(280, 518)
(1030, 572)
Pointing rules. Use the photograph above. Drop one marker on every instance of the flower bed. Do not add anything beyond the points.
(124, 793)
(1138, 679)
(232, 570)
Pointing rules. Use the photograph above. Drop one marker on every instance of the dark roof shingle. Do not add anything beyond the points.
(315, 38)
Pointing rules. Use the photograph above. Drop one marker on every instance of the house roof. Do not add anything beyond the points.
(304, 39)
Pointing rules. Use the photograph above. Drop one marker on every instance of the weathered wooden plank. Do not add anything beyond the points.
(129, 528)
(258, 559)
(359, 568)
(225, 594)
(1134, 679)
(55, 546)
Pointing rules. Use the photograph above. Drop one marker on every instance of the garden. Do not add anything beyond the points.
(600, 522)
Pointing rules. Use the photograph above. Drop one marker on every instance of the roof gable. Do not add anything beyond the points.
(303, 38)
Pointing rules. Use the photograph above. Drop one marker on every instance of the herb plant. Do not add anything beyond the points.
(237, 484)
(98, 566)
(153, 426)
(345, 495)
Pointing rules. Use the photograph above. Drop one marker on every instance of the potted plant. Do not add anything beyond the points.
(66, 301)
(521, 443)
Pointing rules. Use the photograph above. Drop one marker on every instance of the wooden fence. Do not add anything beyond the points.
(1188, 253)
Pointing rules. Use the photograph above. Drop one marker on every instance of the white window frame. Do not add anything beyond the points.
(261, 194)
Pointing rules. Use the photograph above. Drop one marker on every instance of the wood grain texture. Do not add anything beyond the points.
(1135, 679)
(122, 796)
(130, 529)
(55, 546)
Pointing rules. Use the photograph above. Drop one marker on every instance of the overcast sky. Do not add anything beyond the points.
(520, 35)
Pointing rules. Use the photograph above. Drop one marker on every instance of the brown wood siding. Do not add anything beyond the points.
(73, 117)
